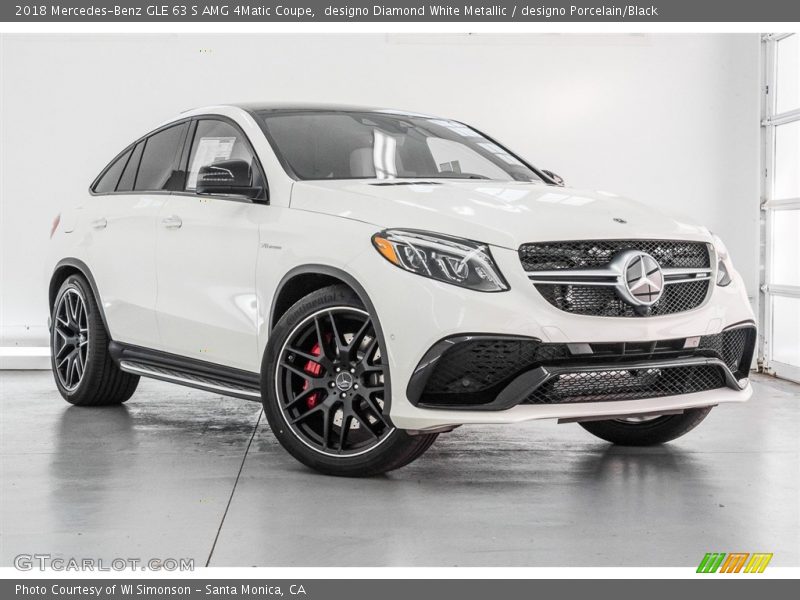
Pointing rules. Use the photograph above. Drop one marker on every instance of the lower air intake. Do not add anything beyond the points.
(627, 384)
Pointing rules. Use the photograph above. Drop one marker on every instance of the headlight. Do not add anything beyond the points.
(453, 260)
(724, 264)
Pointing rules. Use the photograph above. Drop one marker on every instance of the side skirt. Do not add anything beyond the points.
(192, 373)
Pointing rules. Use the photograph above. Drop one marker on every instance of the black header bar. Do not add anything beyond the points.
(398, 589)
(414, 11)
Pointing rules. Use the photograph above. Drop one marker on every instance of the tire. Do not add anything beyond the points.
(651, 432)
(83, 369)
(324, 400)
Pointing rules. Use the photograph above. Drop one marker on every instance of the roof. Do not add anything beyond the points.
(321, 107)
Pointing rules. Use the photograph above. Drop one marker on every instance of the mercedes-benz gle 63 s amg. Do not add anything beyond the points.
(378, 277)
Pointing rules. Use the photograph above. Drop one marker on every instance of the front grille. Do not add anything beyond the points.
(474, 372)
(627, 384)
(550, 256)
(603, 300)
(600, 301)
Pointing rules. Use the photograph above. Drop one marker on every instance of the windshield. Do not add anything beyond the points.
(379, 145)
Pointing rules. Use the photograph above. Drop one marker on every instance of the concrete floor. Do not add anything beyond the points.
(154, 479)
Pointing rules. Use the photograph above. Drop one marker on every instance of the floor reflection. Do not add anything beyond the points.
(153, 478)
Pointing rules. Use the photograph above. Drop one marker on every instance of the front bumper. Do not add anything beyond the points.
(430, 419)
(417, 313)
(483, 372)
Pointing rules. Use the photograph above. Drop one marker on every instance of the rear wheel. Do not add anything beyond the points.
(326, 392)
(647, 431)
(84, 371)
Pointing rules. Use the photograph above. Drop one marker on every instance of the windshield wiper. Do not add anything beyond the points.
(458, 176)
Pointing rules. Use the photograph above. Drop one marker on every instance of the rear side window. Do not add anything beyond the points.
(129, 174)
(216, 141)
(108, 181)
(159, 165)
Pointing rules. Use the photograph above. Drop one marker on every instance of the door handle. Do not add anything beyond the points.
(172, 222)
(100, 223)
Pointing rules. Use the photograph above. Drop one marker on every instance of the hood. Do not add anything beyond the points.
(504, 214)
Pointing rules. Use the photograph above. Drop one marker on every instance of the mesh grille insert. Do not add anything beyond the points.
(478, 364)
(734, 347)
(603, 301)
(548, 256)
(627, 384)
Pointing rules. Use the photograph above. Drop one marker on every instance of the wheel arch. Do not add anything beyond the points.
(323, 276)
(305, 279)
(73, 266)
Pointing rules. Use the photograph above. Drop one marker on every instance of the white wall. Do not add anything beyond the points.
(669, 119)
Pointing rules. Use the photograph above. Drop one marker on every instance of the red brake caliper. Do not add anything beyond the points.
(314, 370)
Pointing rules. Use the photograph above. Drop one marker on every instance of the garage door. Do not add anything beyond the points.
(781, 204)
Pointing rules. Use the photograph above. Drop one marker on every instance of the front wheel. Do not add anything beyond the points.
(326, 389)
(647, 431)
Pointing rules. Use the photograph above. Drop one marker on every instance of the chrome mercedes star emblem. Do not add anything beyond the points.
(344, 381)
(642, 279)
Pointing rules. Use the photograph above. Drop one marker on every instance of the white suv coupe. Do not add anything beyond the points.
(377, 277)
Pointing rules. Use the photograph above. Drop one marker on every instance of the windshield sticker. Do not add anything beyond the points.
(450, 167)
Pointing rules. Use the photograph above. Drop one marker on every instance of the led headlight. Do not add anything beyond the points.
(452, 260)
(724, 264)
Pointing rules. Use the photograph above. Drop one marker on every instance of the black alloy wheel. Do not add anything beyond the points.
(70, 339)
(330, 382)
(84, 371)
(326, 388)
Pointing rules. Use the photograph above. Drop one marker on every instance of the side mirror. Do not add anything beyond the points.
(557, 179)
(227, 177)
